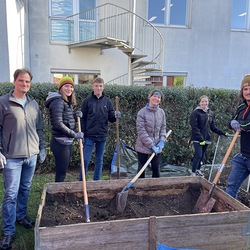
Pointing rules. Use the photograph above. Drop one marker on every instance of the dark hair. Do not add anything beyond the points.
(22, 71)
(98, 80)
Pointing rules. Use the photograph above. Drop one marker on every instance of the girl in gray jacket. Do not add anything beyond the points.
(151, 132)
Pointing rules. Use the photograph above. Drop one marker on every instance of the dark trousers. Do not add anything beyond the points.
(199, 153)
(155, 164)
(62, 154)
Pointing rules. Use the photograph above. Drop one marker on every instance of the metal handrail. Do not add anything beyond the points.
(110, 20)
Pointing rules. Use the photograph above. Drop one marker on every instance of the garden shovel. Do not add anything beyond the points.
(85, 196)
(117, 138)
(121, 198)
(205, 202)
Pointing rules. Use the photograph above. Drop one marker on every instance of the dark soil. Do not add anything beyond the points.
(68, 208)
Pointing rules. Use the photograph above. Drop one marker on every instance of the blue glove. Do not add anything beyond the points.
(235, 125)
(118, 114)
(79, 135)
(161, 144)
(42, 155)
(79, 113)
(156, 150)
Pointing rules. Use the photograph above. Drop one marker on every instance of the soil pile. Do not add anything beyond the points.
(68, 208)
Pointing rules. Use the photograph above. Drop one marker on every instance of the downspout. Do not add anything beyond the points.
(130, 75)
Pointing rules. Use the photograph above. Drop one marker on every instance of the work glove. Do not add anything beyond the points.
(79, 135)
(2, 160)
(160, 144)
(235, 125)
(156, 149)
(202, 143)
(79, 113)
(117, 114)
(42, 155)
(226, 134)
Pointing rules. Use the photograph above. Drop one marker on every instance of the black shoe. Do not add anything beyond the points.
(6, 242)
(26, 222)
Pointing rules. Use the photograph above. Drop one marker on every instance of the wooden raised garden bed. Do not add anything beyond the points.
(158, 210)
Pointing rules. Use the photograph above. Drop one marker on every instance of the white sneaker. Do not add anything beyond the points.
(192, 174)
(199, 173)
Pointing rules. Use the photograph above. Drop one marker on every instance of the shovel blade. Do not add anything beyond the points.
(204, 204)
(121, 201)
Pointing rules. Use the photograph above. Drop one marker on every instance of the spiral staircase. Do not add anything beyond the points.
(110, 26)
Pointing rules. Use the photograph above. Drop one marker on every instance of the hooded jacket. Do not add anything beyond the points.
(62, 117)
(21, 131)
(245, 127)
(151, 128)
(203, 124)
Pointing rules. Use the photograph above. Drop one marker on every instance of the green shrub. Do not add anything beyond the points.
(178, 104)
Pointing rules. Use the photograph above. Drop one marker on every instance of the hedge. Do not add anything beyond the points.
(178, 104)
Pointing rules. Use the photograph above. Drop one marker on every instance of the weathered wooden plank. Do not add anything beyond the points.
(217, 230)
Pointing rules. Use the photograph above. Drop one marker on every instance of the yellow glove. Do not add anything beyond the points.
(202, 143)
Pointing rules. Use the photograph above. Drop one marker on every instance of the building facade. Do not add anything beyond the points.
(197, 42)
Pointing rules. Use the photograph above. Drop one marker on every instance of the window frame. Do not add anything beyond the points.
(167, 15)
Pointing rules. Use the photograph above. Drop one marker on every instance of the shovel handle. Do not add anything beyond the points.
(85, 195)
(117, 138)
(143, 168)
(229, 150)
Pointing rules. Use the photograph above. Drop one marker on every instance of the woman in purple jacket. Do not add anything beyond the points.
(151, 132)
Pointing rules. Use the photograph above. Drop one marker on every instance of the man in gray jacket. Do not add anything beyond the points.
(21, 140)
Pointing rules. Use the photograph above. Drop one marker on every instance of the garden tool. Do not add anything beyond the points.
(117, 138)
(205, 202)
(85, 195)
(121, 198)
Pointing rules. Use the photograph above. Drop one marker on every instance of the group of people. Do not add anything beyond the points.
(22, 140)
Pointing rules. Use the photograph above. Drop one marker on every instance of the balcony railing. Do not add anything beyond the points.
(112, 21)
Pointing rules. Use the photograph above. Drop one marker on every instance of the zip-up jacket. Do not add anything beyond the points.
(203, 124)
(245, 127)
(62, 117)
(21, 131)
(96, 113)
(151, 128)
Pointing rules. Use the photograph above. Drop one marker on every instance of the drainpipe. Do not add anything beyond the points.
(130, 76)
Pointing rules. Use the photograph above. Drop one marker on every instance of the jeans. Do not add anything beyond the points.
(18, 174)
(240, 171)
(62, 154)
(99, 152)
(155, 164)
(199, 152)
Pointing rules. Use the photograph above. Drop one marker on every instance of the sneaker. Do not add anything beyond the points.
(192, 174)
(26, 222)
(199, 173)
(6, 242)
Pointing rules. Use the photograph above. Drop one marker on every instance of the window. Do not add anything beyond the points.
(77, 76)
(240, 14)
(169, 12)
(64, 29)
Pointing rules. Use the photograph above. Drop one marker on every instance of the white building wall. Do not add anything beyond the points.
(45, 56)
(16, 35)
(208, 52)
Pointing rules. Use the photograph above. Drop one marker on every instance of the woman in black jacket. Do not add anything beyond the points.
(63, 123)
(202, 122)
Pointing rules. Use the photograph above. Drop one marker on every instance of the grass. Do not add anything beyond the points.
(24, 238)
